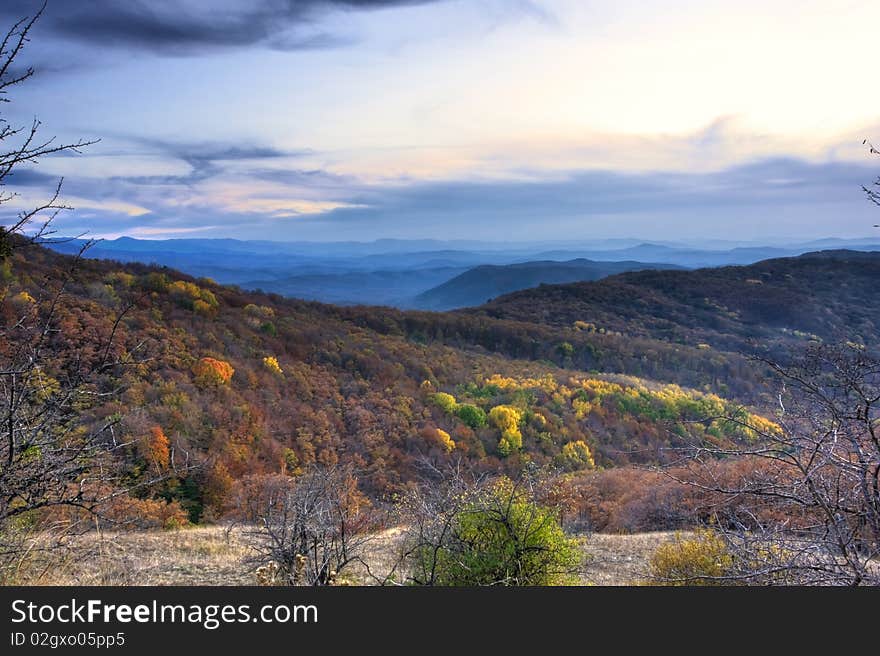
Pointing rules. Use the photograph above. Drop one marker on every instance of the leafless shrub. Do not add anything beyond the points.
(58, 466)
(820, 475)
(313, 526)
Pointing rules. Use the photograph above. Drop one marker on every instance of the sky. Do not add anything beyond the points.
(510, 120)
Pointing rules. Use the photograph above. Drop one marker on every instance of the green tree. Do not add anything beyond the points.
(500, 536)
(565, 349)
(471, 415)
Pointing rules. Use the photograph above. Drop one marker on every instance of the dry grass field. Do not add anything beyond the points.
(215, 556)
(193, 556)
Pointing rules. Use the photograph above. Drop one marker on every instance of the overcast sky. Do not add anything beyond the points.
(508, 119)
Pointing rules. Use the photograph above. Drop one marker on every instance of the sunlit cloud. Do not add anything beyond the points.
(282, 207)
(148, 232)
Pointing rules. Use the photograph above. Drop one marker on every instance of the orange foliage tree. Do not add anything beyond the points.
(210, 371)
(155, 448)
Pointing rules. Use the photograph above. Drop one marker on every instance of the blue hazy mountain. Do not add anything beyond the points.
(394, 288)
(485, 282)
(406, 273)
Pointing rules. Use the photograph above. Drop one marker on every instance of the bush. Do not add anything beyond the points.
(131, 513)
(502, 537)
(699, 560)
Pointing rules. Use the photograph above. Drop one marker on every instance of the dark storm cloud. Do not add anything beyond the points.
(188, 27)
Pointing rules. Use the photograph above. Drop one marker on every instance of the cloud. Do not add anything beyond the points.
(763, 198)
(190, 27)
(30, 177)
(768, 198)
(620, 192)
(314, 178)
(206, 159)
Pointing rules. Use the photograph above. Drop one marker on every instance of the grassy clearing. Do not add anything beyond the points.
(194, 556)
(215, 556)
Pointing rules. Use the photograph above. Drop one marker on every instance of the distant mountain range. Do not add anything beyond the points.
(360, 287)
(427, 274)
(481, 284)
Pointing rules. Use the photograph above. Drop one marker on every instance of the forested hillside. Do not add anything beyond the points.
(827, 296)
(249, 384)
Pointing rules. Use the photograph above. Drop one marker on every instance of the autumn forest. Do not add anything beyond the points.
(535, 437)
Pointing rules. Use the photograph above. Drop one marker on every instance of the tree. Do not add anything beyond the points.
(155, 448)
(53, 454)
(819, 475)
(438, 438)
(445, 402)
(577, 455)
(486, 532)
(473, 416)
(210, 372)
(506, 418)
(271, 363)
(20, 145)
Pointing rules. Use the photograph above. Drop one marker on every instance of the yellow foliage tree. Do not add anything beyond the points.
(189, 294)
(203, 308)
(445, 441)
(438, 437)
(271, 363)
(758, 426)
(507, 418)
(577, 455)
(23, 299)
(259, 311)
(43, 386)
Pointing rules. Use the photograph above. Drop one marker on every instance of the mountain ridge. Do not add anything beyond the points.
(824, 293)
(479, 284)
